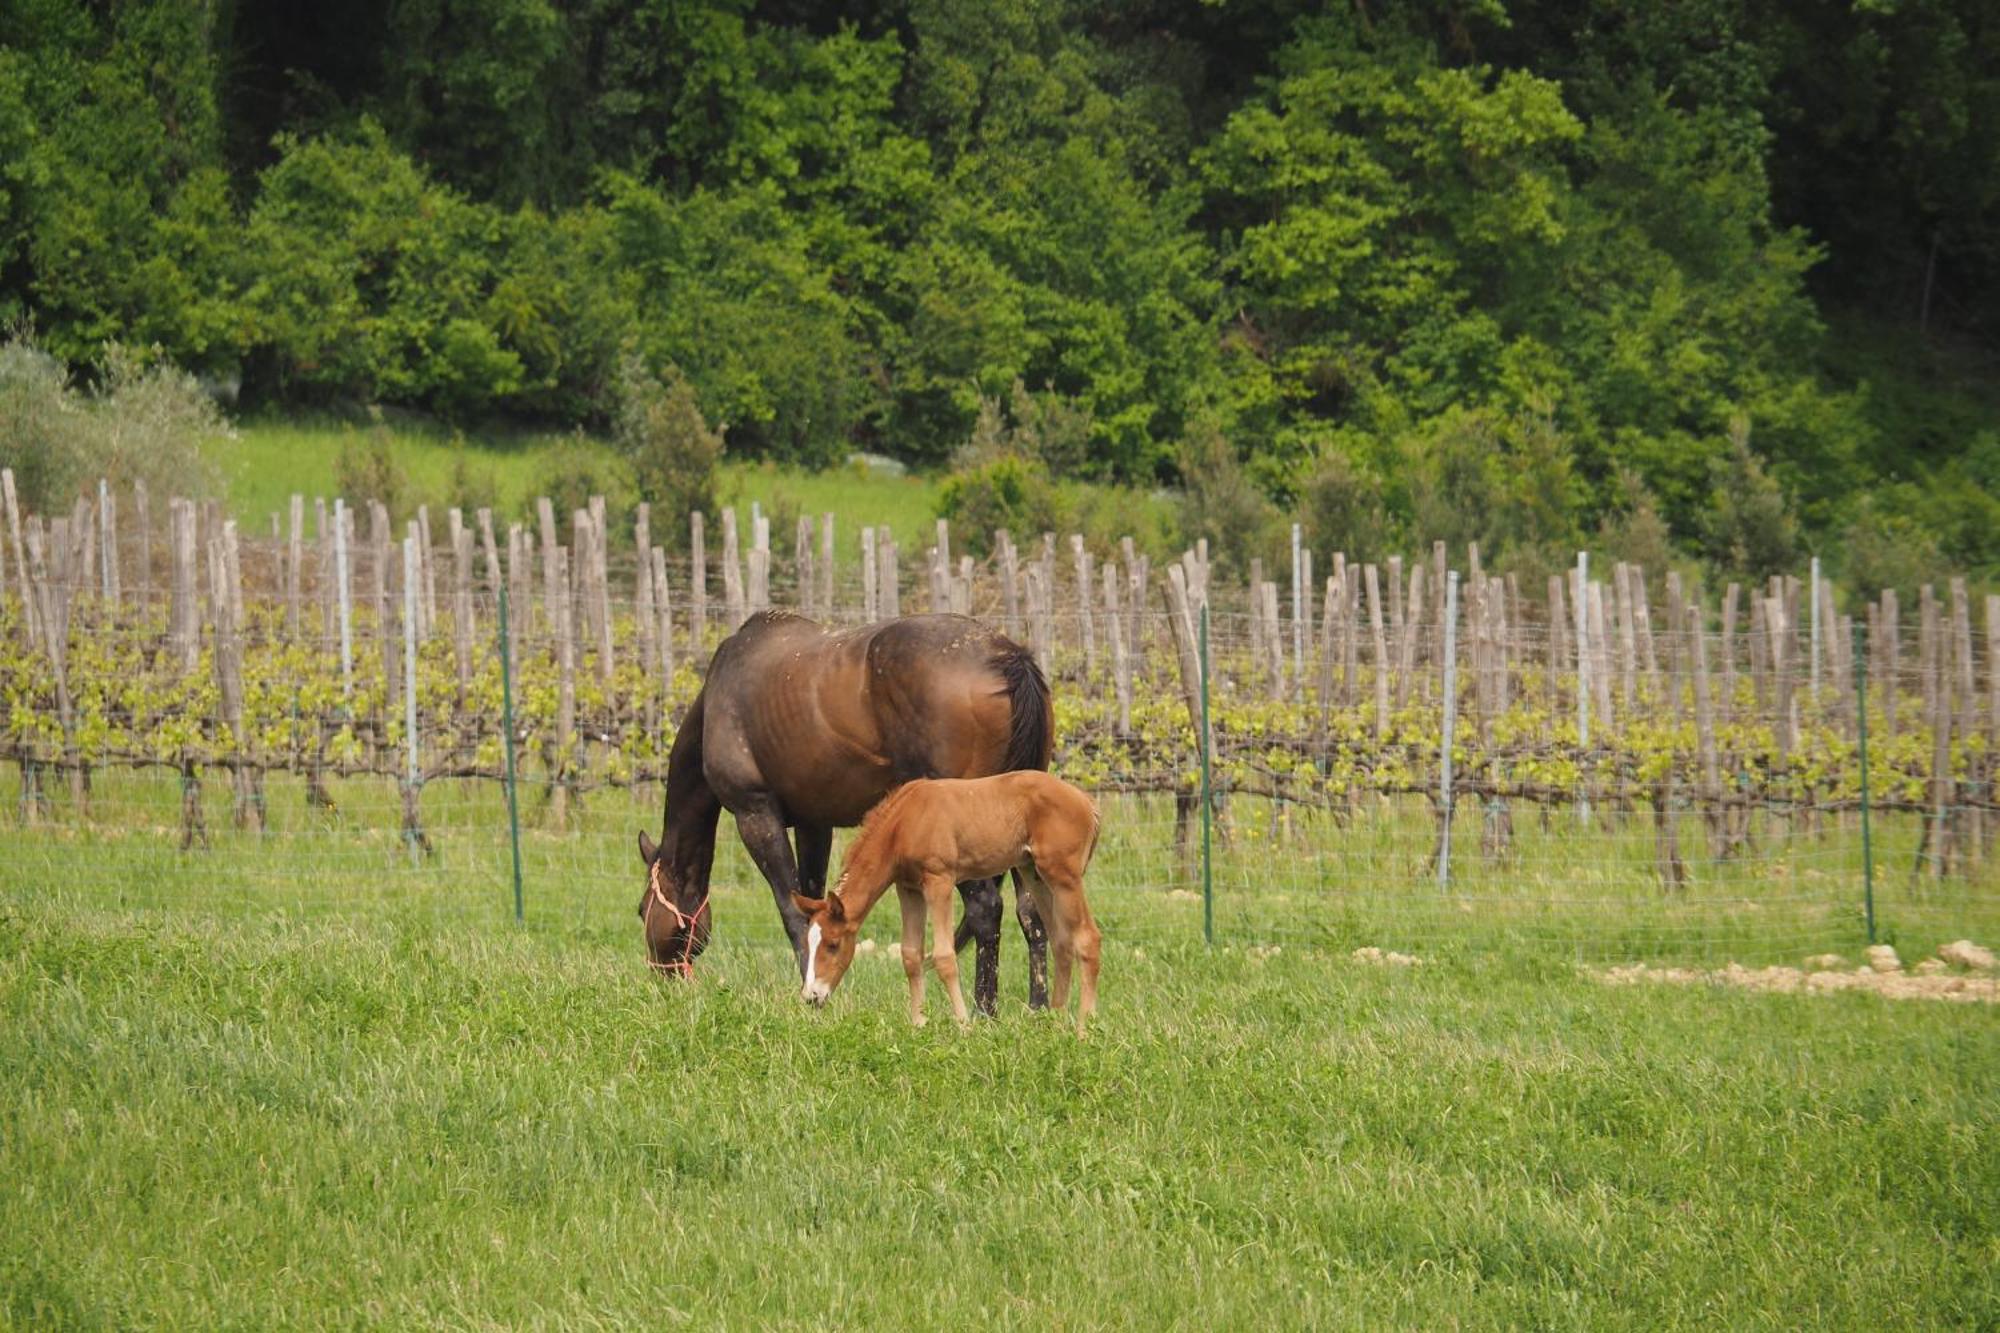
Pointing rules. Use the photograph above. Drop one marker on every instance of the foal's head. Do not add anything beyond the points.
(829, 944)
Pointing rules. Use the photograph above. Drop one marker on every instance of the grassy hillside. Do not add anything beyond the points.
(267, 460)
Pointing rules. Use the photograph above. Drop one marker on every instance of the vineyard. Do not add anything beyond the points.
(1628, 770)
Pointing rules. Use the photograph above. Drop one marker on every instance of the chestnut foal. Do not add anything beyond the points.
(928, 835)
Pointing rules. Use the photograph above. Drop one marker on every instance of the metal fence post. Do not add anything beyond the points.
(1207, 795)
(1861, 729)
(507, 742)
(1450, 725)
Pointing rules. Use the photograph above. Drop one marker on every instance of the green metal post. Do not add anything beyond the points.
(1867, 834)
(1207, 796)
(507, 722)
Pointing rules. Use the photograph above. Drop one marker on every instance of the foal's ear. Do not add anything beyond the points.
(647, 850)
(835, 909)
(812, 907)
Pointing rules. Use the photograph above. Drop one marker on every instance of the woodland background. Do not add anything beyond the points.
(1710, 282)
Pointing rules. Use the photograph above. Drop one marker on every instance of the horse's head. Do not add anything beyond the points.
(829, 944)
(676, 931)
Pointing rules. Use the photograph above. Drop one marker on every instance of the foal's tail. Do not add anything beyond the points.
(1030, 739)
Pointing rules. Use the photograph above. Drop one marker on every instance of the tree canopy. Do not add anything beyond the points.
(1519, 269)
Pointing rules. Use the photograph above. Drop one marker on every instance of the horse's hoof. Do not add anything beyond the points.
(918, 1021)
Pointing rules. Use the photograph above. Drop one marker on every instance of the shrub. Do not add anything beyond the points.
(145, 423)
(576, 469)
(366, 470)
(471, 486)
(1342, 508)
(1886, 547)
(672, 450)
(43, 441)
(1751, 530)
(1219, 501)
(1009, 492)
(1105, 513)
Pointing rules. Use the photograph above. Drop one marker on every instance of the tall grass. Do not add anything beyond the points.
(263, 1120)
(293, 1080)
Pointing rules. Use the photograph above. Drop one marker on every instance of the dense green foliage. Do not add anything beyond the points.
(1496, 272)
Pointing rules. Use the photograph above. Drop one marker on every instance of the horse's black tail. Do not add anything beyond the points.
(1031, 738)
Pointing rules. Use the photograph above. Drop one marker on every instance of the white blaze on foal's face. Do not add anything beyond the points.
(829, 945)
(816, 990)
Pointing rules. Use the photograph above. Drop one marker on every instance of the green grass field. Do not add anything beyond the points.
(267, 461)
(293, 1080)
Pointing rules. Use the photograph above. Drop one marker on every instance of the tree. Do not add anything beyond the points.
(672, 449)
(1751, 531)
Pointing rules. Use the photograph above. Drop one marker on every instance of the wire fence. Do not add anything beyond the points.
(225, 725)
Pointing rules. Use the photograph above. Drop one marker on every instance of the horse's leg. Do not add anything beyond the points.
(912, 902)
(1081, 938)
(762, 828)
(815, 848)
(944, 958)
(1037, 890)
(1035, 932)
(982, 926)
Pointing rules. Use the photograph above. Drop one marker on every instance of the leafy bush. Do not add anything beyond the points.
(1750, 529)
(1342, 508)
(672, 450)
(1008, 492)
(1219, 501)
(44, 438)
(144, 423)
(576, 469)
(366, 470)
(1104, 514)
(1885, 547)
(471, 485)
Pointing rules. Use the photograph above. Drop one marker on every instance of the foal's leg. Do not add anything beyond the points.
(937, 895)
(1036, 890)
(1034, 929)
(911, 899)
(1081, 938)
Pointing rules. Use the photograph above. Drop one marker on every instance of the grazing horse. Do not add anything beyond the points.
(928, 834)
(801, 727)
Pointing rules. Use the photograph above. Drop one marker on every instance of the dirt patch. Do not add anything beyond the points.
(1882, 958)
(1384, 957)
(1893, 985)
(1964, 953)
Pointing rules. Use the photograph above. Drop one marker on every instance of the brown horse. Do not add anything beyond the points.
(928, 834)
(800, 727)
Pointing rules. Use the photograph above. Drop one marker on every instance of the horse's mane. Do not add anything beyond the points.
(895, 797)
(872, 826)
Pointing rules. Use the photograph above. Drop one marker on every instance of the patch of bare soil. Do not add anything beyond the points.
(1384, 957)
(1823, 974)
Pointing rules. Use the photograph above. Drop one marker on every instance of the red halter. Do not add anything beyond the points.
(684, 965)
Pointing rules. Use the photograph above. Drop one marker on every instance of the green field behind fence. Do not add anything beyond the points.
(265, 462)
(1319, 878)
